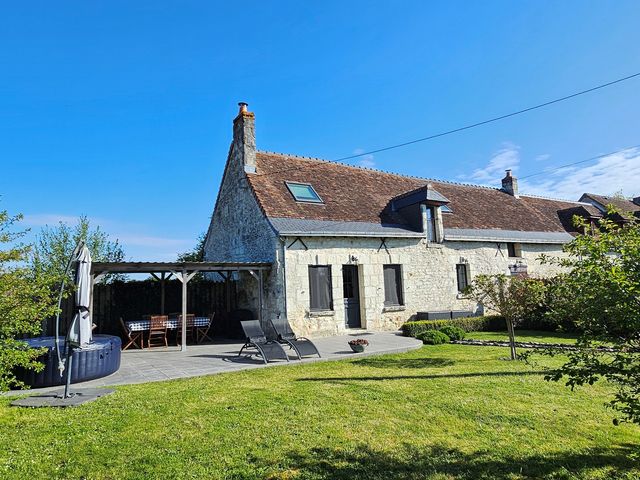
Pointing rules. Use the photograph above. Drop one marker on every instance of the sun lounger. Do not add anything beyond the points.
(256, 338)
(302, 346)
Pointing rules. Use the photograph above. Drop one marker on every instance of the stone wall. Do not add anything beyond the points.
(429, 277)
(239, 232)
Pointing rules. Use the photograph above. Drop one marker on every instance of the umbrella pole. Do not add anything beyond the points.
(69, 366)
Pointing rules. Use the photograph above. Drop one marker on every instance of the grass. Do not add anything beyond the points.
(525, 336)
(441, 412)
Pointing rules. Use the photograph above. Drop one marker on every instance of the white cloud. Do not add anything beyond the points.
(507, 157)
(366, 161)
(542, 157)
(608, 175)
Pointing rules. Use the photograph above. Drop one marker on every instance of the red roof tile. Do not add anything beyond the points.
(361, 195)
(622, 204)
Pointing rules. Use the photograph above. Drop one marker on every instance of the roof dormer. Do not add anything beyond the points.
(423, 208)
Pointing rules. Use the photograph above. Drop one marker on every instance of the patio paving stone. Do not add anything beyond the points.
(142, 366)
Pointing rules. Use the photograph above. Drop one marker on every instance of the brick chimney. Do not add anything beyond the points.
(244, 137)
(510, 184)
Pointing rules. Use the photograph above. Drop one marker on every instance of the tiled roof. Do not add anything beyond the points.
(622, 204)
(353, 194)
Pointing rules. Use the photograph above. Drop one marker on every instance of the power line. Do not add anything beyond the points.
(495, 119)
(578, 162)
(477, 124)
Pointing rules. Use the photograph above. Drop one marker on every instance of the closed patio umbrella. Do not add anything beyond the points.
(80, 330)
(79, 333)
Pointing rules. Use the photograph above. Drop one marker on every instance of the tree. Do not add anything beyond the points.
(54, 245)
(25, 300)
(512, 297)
(197, 254)
(600, 292)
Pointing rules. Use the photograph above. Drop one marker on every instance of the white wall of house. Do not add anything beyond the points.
(428, 271)
(240, 232)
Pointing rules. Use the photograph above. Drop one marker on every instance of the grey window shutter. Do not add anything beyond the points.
(461, 271)
(320, 287)
(392, 285)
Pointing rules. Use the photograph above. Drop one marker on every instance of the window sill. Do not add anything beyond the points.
(321, 313)
(394, 308)
(461, 296)
(434, 245)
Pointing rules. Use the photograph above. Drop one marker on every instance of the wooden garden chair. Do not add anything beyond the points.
(191, 329)
(158, 331)
(135, 338)
(202, 333)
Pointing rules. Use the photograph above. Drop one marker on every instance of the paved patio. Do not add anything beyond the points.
(141, 366)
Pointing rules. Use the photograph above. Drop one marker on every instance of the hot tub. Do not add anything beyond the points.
(97, 360)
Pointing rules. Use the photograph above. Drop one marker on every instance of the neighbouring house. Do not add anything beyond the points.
(619, 203)
(352, 247)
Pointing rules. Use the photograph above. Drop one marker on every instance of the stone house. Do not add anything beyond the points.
(352, 247)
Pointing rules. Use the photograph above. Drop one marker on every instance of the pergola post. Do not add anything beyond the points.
(184, 277)
(162, 283)
(183, 340)
(258, 276)
(93, 282)
(94, 279)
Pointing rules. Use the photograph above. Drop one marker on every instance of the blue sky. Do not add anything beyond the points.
(139, 98)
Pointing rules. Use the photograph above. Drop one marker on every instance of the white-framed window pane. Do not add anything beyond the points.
(431, 225)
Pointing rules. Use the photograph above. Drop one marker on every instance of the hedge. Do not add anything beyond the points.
(453, 332)
(433, 337)
(469, 324)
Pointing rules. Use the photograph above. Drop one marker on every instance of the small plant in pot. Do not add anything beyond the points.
(358, 344)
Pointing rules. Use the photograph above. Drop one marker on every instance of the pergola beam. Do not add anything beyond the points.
(159, 267)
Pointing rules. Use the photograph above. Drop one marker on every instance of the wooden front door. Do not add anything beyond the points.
(351, 290)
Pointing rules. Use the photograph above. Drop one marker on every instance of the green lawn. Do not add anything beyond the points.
(440, 412)
(525, 336)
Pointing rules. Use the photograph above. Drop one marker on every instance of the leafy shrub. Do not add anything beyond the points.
(453, 332)
(433, 337)
(470, 324)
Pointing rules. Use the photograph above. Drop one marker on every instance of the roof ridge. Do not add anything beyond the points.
(555, 199)
(385, 172)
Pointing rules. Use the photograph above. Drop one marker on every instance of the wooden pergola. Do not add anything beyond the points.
(183, 271)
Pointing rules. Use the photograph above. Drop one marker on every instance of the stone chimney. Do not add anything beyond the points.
(244, 138)
(510, 184)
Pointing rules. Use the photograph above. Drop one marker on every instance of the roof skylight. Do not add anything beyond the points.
(303, 192)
